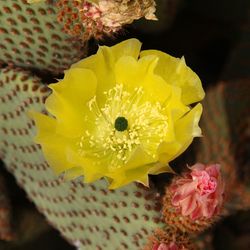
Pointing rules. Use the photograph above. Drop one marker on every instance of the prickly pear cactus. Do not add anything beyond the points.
(88, 215)
(30, 36)
(227, 104)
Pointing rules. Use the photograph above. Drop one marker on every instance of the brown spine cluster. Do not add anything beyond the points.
(170, 236)
(68, 14)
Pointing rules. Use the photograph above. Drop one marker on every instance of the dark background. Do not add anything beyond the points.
(211, 35)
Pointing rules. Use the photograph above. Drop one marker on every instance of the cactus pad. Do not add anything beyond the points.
(30, 36)
(89, 215)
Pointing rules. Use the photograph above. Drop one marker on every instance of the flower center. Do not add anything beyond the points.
(121, 123)
(111, 141)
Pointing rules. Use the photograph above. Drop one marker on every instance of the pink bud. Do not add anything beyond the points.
(163, 246)
(200, 192)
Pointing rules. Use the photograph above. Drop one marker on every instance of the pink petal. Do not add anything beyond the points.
(163, 246)
(188, 205)
(189, 188)
(173, 246)
(198, 166)
(213, 170)
(205, 208)
(196, 213)
(155, 247)
(176, 199)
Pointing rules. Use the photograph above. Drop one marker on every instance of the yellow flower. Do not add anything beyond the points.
(121, 114)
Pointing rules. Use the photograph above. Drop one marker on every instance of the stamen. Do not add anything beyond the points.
(112, 140)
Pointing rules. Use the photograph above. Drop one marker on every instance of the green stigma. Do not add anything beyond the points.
(121, 123)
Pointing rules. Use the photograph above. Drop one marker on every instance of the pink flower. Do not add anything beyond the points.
(163, 246)
(198, 193)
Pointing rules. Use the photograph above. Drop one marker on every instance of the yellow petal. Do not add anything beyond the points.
(106, 57)
(45, 126)
(175, 107)
(54, 146)
(130, 47)
(159, 168)
(125, 178)
(102, 64)
(186, 129)
(68, 102)
(89, 168)
(139, 157)
(139, 174)
(73, 173)
(175, 72)
(134, 74)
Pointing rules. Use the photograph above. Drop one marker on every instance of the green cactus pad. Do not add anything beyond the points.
(30, 36)
(89, 215)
